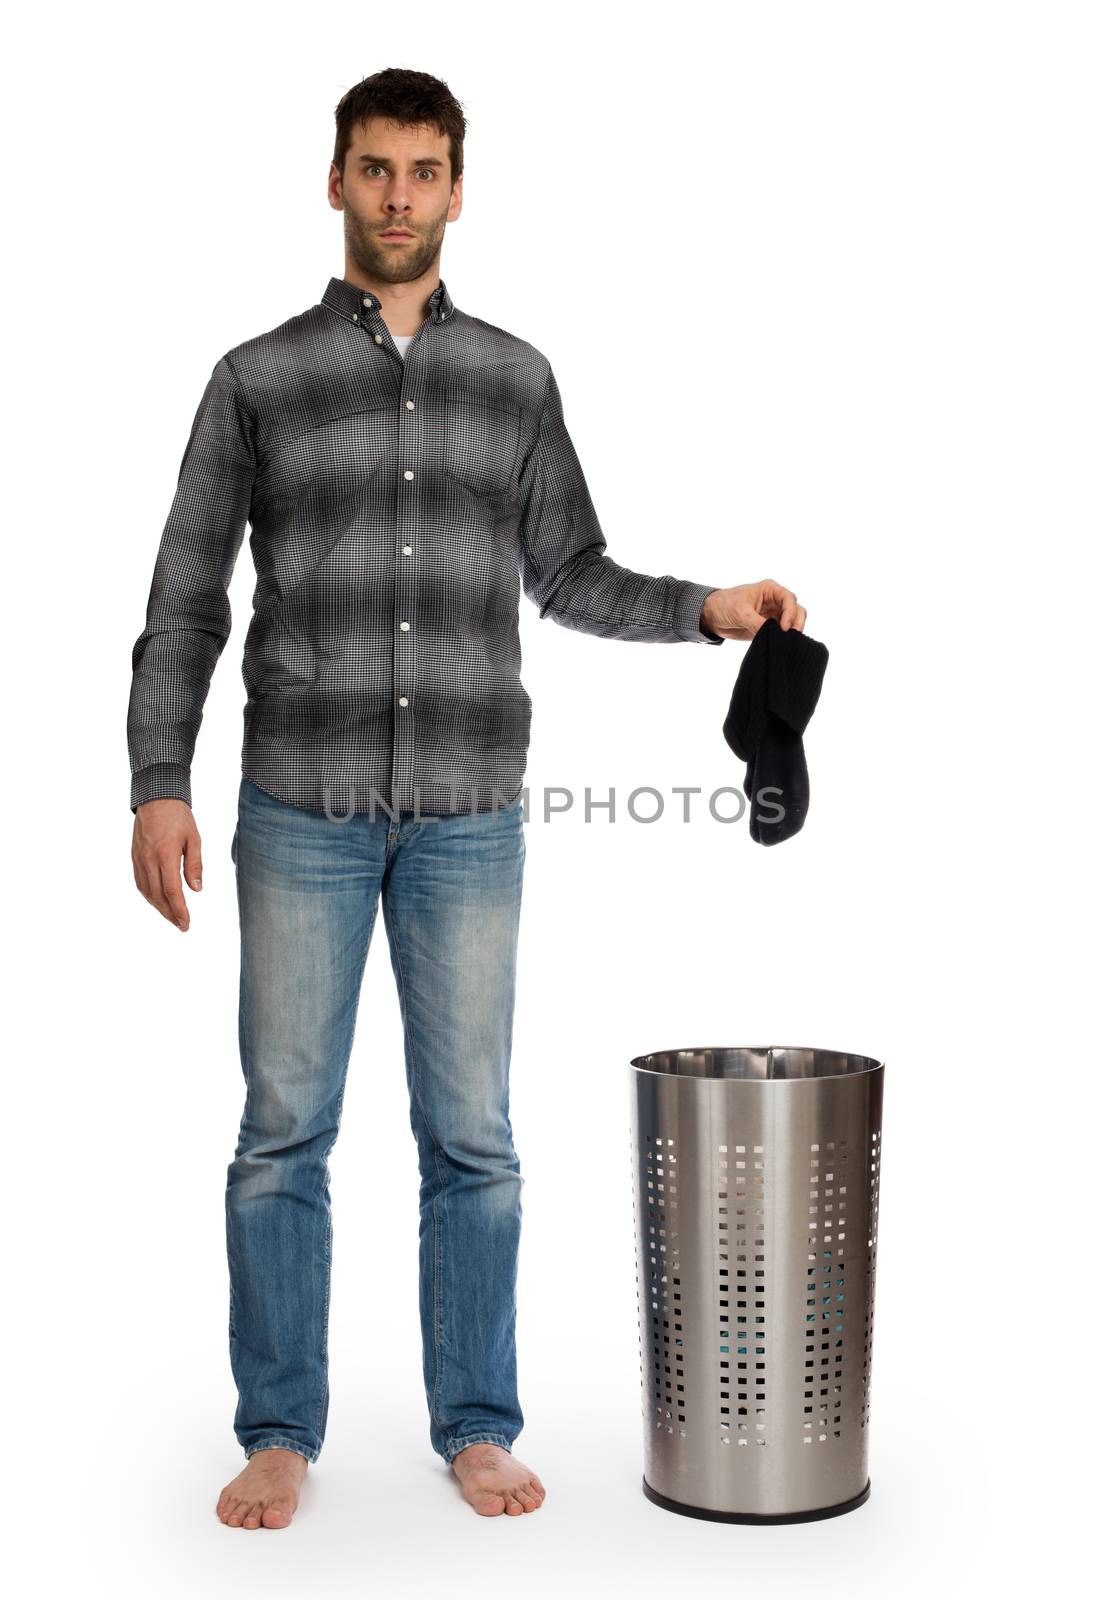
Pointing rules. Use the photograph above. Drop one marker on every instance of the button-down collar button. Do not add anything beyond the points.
(408, 474)
(367, 301)
(409, 405)
(378, 338)
(355, 316)
(407, 549)
(402, 701)
(405, 627)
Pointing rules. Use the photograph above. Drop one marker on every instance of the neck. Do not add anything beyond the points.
(403, 306)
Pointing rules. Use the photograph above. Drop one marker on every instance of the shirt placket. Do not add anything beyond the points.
(408, 499)
(406, 533)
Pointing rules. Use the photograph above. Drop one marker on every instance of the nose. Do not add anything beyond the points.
(396, 198)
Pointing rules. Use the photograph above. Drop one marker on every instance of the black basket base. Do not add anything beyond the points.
(752, 1516)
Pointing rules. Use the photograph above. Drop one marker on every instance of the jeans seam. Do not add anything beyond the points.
(329, 1219)
(437, 1244)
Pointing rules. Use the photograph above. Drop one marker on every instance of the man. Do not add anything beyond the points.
(404, 466)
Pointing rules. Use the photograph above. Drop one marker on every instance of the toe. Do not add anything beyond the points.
(277, 1515)
(236, 1511)
(252, 1516)
(489, 1503)
(527, 1500)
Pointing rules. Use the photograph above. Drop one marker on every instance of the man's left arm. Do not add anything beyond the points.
(563, 567)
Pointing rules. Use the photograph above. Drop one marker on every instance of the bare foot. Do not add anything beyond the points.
(494, 1481)
(265, 1494)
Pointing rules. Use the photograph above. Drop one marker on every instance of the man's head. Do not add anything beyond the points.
(397, 163)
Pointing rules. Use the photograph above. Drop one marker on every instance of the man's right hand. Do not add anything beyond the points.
(165, 832)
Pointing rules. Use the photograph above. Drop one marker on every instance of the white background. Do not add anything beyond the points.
(819, 284)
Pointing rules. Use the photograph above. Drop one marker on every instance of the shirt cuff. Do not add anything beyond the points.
(689, 606)
(163, 781)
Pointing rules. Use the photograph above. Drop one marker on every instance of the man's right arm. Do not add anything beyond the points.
(188, 614)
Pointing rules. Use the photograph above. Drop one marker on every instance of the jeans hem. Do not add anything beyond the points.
(277, 1443)
(453, 1446)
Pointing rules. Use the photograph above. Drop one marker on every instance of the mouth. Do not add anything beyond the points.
(398, 233)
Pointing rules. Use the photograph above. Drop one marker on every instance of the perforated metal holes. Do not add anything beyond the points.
(747, 1344)
(825, 1308)
(742, 1292)
(661, 1328)
(873, 1236)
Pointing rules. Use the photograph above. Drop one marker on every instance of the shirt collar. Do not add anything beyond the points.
(349, 300)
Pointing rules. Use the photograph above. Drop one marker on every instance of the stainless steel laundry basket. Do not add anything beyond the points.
(756, 1208)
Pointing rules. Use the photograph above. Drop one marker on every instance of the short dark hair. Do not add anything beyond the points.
(406, 97)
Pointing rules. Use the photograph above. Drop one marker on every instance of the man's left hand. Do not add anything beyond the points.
(739, 612)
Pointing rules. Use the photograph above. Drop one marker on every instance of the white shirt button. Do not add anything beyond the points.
(407, 549)
(402, 701)
(378, 338)
(367, 300)
(408, 474)
(409, 405)
(405, 627)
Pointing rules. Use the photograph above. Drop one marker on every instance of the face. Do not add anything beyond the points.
(395, 178)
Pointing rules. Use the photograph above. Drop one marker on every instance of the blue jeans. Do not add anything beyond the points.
(308, 890)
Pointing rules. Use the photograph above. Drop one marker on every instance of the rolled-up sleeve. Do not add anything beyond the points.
(563, 567)
(188, 613)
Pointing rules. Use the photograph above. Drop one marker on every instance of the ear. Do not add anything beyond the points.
(335, 187)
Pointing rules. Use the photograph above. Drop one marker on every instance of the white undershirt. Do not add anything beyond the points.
(402, 340)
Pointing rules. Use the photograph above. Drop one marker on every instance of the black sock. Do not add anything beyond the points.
(774, 697)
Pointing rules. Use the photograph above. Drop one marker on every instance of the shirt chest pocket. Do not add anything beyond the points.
(479, 444)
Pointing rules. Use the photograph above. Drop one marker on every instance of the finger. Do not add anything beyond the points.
(154, 890)
(786, 605)
(193, 860)
(172, 890)
(800, 619)
(768, 598)
(141, 876)
(150, 881)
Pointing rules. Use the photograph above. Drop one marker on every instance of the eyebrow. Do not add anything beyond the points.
(420, 161)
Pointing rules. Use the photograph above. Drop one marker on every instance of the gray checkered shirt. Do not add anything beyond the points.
(395, 509)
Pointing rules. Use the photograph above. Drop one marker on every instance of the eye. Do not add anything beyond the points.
(377, 168)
